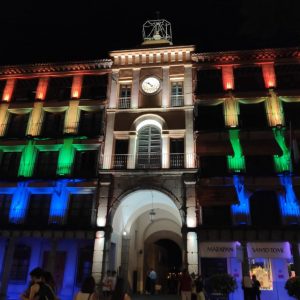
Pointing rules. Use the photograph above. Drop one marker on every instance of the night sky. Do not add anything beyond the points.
(48, 31)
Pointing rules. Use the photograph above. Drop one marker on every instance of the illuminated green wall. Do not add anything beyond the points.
(236, 163)
(282, 162)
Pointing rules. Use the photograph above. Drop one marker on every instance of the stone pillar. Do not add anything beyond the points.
(103, 201)
(132, 151)
(113, 98)
(190, 200)
(8, 90)
(274, 110)
(125, 257)
(76, 86)
(245, 262)
(41, 90)
(52, 256)
(166, 87)
(296, 257)
(98, 256)
(36, 118)
(165, 150)
(135, 88)
(8, 260)
(188, 85)
(3, 118)
(189, 139)
(192, 252)
(184, 233)
(109, 141)
(231, 111)
(72, 116)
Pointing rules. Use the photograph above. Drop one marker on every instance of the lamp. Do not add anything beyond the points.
(152, 212)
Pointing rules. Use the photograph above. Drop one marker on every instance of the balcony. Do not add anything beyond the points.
(124, 102)
(177, 100)
(143, 162)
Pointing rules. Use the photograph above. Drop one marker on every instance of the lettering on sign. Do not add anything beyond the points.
(269, 250)
(218, 249)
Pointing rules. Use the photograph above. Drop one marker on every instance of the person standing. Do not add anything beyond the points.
(199, 288)
(247, 287)
(256, 288)
(185, 285)
(153, 278)
(87, 291)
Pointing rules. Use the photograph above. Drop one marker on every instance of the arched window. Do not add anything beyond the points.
(149, 147)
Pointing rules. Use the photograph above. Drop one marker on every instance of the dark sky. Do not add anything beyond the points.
(46, 31)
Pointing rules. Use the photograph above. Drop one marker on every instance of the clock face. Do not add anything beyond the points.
(150, 85)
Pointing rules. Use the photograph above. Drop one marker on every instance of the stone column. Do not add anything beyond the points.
(103, 201)
(166, 87)
(135, 88)
(125, 257)
(8, 260)
(190, 200)
(98, 256)
(52, 256)
(72, 116)
(192, 252)
(296, 257)
(245, 262)
(189, 139)
(3, 118)
(131, 151)
(114, 84)
(188, 85)
(165, 150)
(184, 233)
(36, 118)
(109, 140)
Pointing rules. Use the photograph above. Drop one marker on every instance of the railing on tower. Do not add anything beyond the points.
(124, 102)
(177, 100)
(153, 161)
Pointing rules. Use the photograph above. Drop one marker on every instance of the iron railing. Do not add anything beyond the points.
(124, 102)
(177, 100)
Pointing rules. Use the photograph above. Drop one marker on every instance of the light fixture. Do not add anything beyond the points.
(152, 212)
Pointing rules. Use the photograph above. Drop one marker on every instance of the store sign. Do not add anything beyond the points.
(218, 249)
(269, 250)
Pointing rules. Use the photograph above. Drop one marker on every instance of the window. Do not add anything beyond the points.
(177, 153)
(38, 210)
(94, 87)
(259, 165)
(90, 123)
(53, 124)
(261, 268)
(177, 97)
(80, 210)
(59, 89)
(25, 90)
(216, 216)
(210, 118)
(17, 125)
(84, 263)
(291, 113)
(20, 264)
(248, 79)
(121, 154)
(10, 162)
(46, 164)
(5, 202)
(213, 166)
(288, 76)
(253, 116)
(85, 163)
(149, 148)
(125, 96)
(209, 82)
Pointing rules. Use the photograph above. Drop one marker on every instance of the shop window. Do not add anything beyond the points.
(213, 166)
(149, 148)
(59, 89)
(253, 116)
(125, 96)
(84, 263)
(94, 87)
(17, 125)
(20, 263)
(53, 124)
(90, 123)
(86, 163)
(38, 210)
(211, 266)
(5, 201)
(210, 118)
(264, 209)
(288, 76)
(259, 165)
(261, 268)
(121, 154)
(291, 114)
(9, 166)
(177, 96)
(46, 164)
(25, 90)
(80, 210)
(216, 216)
(209, 81)
(248, 79)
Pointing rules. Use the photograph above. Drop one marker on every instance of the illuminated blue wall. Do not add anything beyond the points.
(241, 211)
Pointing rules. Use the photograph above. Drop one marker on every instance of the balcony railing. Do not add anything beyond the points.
(165, 161)
(124, 102)
(177, 100)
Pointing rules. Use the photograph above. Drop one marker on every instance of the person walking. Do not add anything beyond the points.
(185, 285)
(199, 288)
(153, 278)
(256, 288)
(87, 291)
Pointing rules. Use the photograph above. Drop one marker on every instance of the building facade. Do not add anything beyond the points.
(158, 157)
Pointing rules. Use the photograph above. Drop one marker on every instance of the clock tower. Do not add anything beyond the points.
(149, 162)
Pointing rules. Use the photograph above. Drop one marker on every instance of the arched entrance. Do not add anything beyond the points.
(144, 219)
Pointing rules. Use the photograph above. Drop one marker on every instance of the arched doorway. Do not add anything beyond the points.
(142, 219)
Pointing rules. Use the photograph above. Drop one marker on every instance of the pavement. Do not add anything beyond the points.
(156, 297)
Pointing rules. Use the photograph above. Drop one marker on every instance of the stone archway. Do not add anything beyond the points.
(132, 226)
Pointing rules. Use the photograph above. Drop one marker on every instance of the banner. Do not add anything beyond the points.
(218, 249)
(269, 250)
